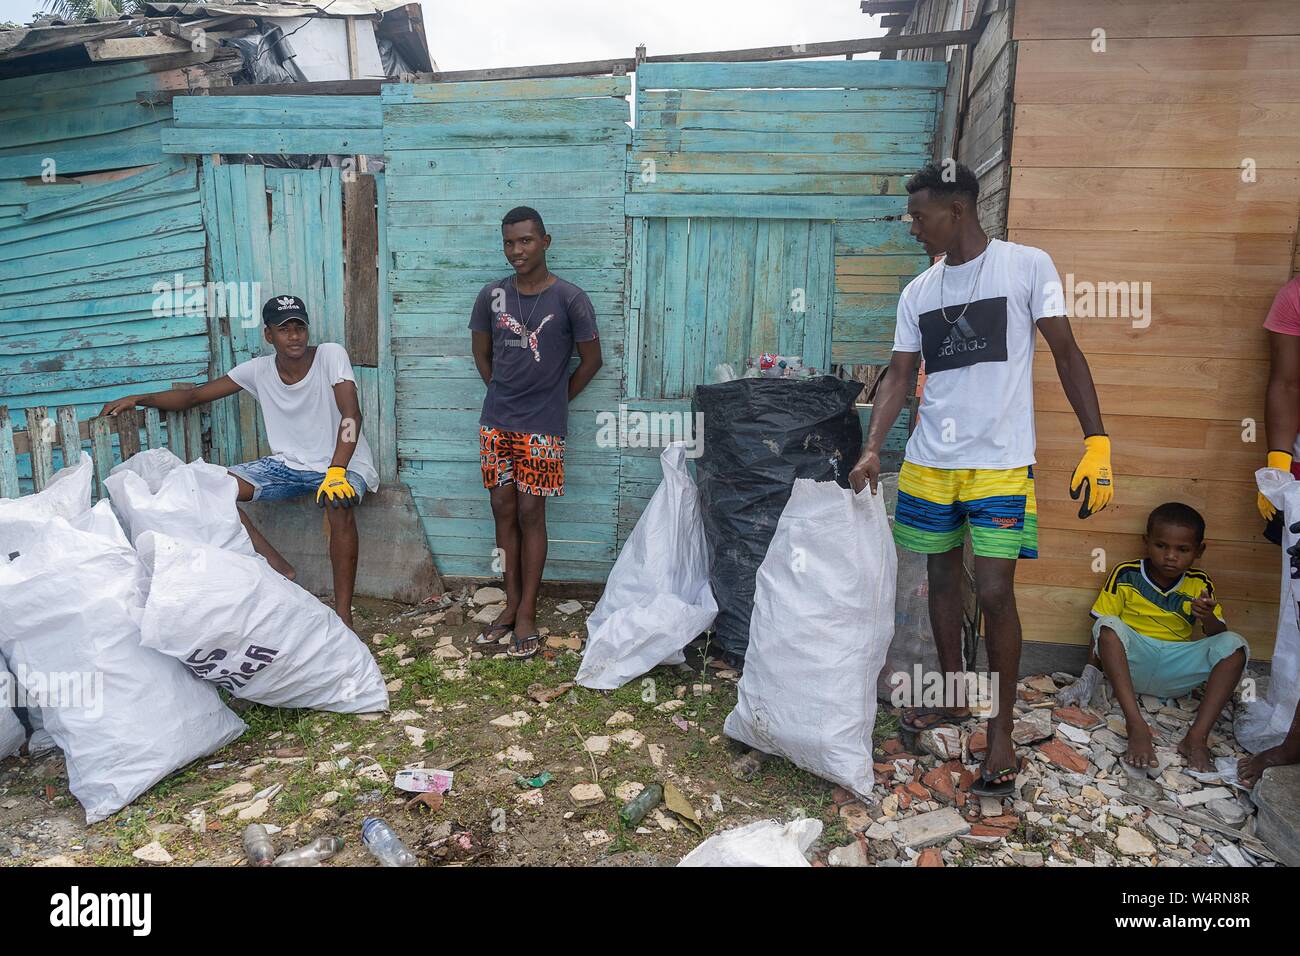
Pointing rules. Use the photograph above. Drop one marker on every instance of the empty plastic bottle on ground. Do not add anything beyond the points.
(311, 854)
(385, 845)
(258, 848)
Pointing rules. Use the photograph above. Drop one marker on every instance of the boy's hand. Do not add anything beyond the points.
(1092, 477)
(1203, 609)
(336, 491)
(118, 405)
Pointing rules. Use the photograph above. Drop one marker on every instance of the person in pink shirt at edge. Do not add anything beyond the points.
(1282, 425)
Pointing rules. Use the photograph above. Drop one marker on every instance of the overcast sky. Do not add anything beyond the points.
(477, 34)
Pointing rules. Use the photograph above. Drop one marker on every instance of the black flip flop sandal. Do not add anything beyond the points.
(493, 634)
(517, 650)
(984, 785)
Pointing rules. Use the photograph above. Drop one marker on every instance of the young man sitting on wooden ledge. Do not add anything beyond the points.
(308, 395)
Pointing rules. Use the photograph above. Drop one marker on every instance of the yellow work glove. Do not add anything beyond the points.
(335, 490)
(1092, 477)
(1282, 462)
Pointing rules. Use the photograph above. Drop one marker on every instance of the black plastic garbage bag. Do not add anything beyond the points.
(759, 436)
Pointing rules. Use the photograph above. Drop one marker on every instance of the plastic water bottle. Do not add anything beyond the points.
(258, 848)
(311, 854)
(385, 845)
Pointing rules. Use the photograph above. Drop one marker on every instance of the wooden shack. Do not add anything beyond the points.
(1157, 143)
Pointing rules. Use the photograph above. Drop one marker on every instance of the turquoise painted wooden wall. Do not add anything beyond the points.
(743, 184)
(80, 320)
(764, 203)
(459, 156)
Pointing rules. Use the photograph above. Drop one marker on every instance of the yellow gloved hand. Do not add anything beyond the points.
(1282, 462)
(335, 490)
(1092, 477)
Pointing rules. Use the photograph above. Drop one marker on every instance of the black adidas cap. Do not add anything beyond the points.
(282, 308)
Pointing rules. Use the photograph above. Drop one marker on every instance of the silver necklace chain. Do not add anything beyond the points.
(973, 288)
(523, 323)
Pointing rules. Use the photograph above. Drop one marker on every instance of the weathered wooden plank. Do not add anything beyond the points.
(53, 268)
(788, 141)
(857, 74)
(1147, 200)
(71, 157)
(655, 345)
(361, 291)
(769, 184)
(281, 142)
(559, 88)
(387, 451)
(874, 122)
(40, 438)
(819, 301)
(69, 435)
(716, 308)
(1197, 135)
(787, 101)
(128, 432)
(674, 316)
(1049, 19)
(1241, 70)
(279, 112)
(644, 159)
(101, 448)
(502, 160)
(695, 309)
(119, 278)
(153, 428)
(504, 187)
(8, 458)
(169, 166)
(765, 206)
(539, 134)
(30, 133)
(479, 213)
(509, 118)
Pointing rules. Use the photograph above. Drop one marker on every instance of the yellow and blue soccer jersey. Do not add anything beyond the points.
(1131, 596)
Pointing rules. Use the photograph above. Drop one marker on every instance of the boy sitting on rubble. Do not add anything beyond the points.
(1143, 636)
(308, 396)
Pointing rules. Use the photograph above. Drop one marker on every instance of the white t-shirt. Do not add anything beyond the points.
(302, 420)
(977, 409)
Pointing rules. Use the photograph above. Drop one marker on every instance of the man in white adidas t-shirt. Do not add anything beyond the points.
(972, 317)
(308, 396)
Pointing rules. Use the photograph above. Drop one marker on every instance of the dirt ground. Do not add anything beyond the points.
(495, 722)
(453, 700)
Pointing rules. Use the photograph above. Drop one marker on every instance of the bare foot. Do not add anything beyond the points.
(1197, 753)
(1250, 769)
(1141, 750)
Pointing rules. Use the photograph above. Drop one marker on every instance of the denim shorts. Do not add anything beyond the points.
(273, 480)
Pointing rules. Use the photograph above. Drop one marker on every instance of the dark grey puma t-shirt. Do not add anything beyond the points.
(529, 391)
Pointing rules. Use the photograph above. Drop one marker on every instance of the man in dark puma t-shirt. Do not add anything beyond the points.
(524, 329)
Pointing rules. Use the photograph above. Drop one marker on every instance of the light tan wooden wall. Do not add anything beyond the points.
(1127, 166)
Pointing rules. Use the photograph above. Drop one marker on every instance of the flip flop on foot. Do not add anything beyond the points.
(522, 648)
(916, 719)
(1001, 783)
(494, 634)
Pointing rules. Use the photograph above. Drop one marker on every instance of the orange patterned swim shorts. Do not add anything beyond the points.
(535, 463)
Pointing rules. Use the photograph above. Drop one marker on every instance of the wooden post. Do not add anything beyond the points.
(361, 277)
(153, 428)
(8, 459)
(101, 449)
(193, 434)
(128, 432)
(40, 445)
(69, 436)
